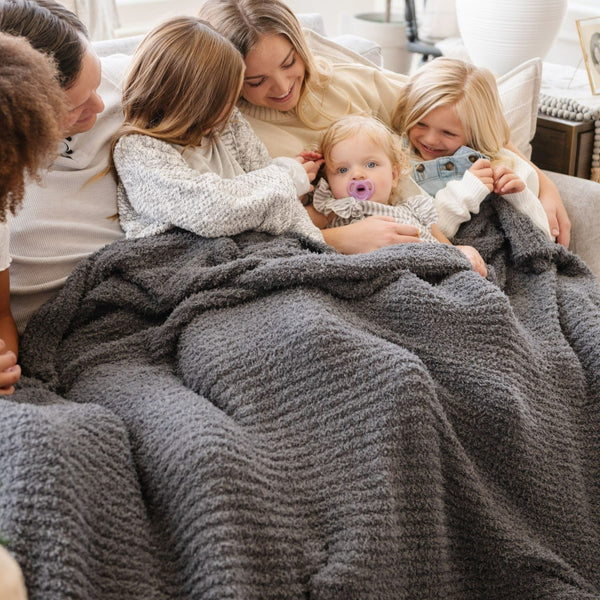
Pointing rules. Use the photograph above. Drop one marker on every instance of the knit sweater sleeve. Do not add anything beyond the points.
(457, 200)
(158, 190)
(527, 201)
(251, 154)
(246, 147)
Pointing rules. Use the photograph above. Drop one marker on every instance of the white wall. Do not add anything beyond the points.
(138, 16)
(567, 49)
(333, 12)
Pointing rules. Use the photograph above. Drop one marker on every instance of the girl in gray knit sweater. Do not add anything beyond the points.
(185, 157)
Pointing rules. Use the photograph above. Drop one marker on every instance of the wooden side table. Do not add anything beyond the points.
(563, 146)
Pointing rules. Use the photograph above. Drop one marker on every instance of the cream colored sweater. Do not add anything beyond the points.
(353, 88)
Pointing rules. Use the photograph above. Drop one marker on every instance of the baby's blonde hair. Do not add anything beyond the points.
(378, 132)
(472, 92)
(183, 83)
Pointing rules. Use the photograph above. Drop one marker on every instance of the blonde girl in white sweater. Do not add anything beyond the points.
(451, 116)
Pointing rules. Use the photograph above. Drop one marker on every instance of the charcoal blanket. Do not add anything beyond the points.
(257, 418)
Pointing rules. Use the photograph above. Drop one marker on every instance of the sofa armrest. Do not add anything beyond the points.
(581, 198)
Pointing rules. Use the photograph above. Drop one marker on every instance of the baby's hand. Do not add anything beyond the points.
(10, 371)
(482, 169)
(475, 259)
(507, 181)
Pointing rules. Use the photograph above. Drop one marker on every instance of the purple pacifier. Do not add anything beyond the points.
(361, 189)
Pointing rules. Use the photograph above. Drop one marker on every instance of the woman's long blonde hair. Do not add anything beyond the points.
(472, 92)
(183, 83)
(245, 22)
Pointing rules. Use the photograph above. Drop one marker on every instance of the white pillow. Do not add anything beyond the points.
(520, 93)
(344, 48)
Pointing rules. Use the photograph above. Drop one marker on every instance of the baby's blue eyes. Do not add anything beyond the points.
(370, 165)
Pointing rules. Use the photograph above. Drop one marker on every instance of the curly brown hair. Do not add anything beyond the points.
(32, 110)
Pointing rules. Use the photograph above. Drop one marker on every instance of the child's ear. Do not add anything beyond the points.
(395, 174)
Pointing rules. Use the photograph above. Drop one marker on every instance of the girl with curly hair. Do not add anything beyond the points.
(32, 113)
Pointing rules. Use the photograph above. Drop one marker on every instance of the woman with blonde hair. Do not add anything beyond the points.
(451, 116)
(32, 113)
(290, 98)
(184, 155)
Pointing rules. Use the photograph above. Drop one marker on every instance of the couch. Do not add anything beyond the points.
(261, 417)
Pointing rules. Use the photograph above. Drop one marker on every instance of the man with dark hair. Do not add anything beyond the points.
(50, 28)
(68, 215)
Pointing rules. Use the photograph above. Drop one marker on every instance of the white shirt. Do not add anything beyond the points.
(65, 218)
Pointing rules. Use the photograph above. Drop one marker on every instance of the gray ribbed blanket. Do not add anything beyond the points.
(257, 418)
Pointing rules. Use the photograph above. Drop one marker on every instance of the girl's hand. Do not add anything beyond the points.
(482, 169)
(10, 371)
(370, 234)
(311, 161)
(308, 155)
(507, 181)
(475, 259)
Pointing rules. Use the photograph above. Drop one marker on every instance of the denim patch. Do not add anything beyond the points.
(433, 175)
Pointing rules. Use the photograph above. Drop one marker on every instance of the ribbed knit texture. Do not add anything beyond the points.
(256, 418)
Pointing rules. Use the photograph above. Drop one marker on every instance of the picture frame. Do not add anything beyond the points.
(589, 37)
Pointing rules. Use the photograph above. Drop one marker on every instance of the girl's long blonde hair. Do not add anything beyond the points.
(472, 92)
(245, 22)
(183, 83)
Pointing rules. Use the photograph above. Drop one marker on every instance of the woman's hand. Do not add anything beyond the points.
(370, 234)
(558, 219)
(506, 181)
(482, 169)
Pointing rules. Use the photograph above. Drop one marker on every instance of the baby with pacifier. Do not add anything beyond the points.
(366, 172)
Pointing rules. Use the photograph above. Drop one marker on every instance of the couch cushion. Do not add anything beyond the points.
(519, 92)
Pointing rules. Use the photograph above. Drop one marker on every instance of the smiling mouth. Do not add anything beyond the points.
(286, 96)
(430, 150)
